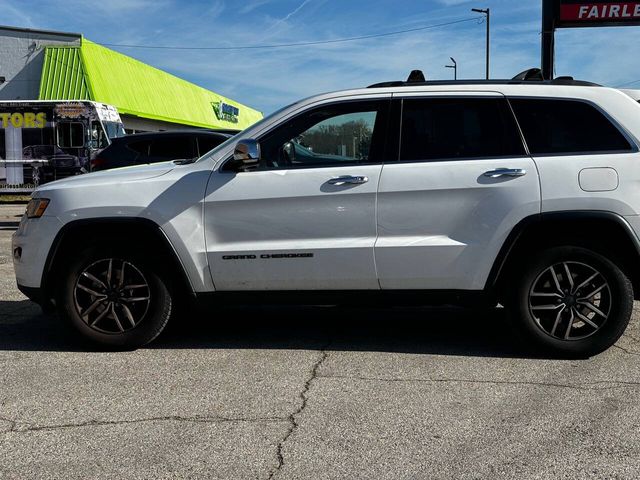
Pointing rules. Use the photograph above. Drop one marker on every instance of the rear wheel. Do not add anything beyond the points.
(572, 301)
(114, 297)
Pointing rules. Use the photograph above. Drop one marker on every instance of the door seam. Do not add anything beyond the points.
(375, 243)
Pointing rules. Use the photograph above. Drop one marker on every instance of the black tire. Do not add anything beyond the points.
(533, 296)
(115, 330)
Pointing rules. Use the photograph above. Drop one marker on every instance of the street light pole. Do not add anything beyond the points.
(487, 12)
(455, 68)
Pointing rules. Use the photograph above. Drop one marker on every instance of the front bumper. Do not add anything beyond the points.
(30, 246)
(34, 294)
(38, 296)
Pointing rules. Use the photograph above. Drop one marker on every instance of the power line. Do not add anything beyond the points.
(627, 84)
(299, 44)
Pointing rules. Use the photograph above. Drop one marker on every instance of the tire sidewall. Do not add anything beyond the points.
(611, 330)
(155, 318)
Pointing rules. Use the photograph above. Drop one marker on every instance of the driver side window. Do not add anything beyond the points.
(98, 137)
(331, 135)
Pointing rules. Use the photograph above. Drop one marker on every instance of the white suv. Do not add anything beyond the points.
(518, 192)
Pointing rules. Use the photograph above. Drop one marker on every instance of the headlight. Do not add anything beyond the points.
(36, 207)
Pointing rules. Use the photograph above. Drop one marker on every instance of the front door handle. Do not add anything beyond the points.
(349, 180)
(505, 172)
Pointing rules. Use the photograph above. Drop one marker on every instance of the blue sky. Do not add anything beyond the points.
(269, 79)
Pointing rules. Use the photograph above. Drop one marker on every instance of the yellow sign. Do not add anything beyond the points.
(24, 120)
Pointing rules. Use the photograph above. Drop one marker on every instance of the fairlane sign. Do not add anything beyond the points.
(574, 13)
(580, 13)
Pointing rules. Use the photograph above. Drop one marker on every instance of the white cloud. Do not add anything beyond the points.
(216, 8)
(295, 10)
(280, 76)
(249, 7)
(269, 78)
(14, 16)
(450, 3)
(117, 7)
(602, 55)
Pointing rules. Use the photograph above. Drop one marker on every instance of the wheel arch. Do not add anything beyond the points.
(117, 229)
(608, 234)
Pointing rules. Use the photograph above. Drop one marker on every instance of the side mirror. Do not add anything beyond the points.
(246, 155)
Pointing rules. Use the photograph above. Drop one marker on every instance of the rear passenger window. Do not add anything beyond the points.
(567, 126)
(441, 129)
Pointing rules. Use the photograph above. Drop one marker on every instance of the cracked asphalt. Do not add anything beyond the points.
(310, 392)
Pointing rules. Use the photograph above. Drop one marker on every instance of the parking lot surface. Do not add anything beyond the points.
(310, 392)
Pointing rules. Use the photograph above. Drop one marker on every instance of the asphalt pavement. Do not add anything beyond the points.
(310, 393)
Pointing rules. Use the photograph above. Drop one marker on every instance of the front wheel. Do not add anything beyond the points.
(114, 298)
(572, 301)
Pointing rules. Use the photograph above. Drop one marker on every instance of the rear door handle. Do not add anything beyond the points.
(505, 172)
(349, 180)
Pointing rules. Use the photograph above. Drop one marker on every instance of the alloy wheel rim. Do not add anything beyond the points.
(570, 301)
(112, 296)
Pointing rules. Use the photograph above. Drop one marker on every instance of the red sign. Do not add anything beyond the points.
(600, 12)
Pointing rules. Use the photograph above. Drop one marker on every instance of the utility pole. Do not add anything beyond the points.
(549, 9)
(487, 12)
(455, 68)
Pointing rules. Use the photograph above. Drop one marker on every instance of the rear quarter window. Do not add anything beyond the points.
(567, 127)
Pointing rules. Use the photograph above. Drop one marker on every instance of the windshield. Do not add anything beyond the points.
(114, 129)
(238, 136)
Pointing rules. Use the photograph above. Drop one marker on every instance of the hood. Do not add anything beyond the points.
(117, 175)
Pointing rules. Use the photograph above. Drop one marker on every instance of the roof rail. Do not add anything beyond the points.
(528, 77)
(557, 81)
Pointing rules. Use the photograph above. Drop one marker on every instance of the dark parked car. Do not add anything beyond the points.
(141, 148)
(50, 163)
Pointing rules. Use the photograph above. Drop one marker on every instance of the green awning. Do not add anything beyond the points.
(93, 72)
(63, 75)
